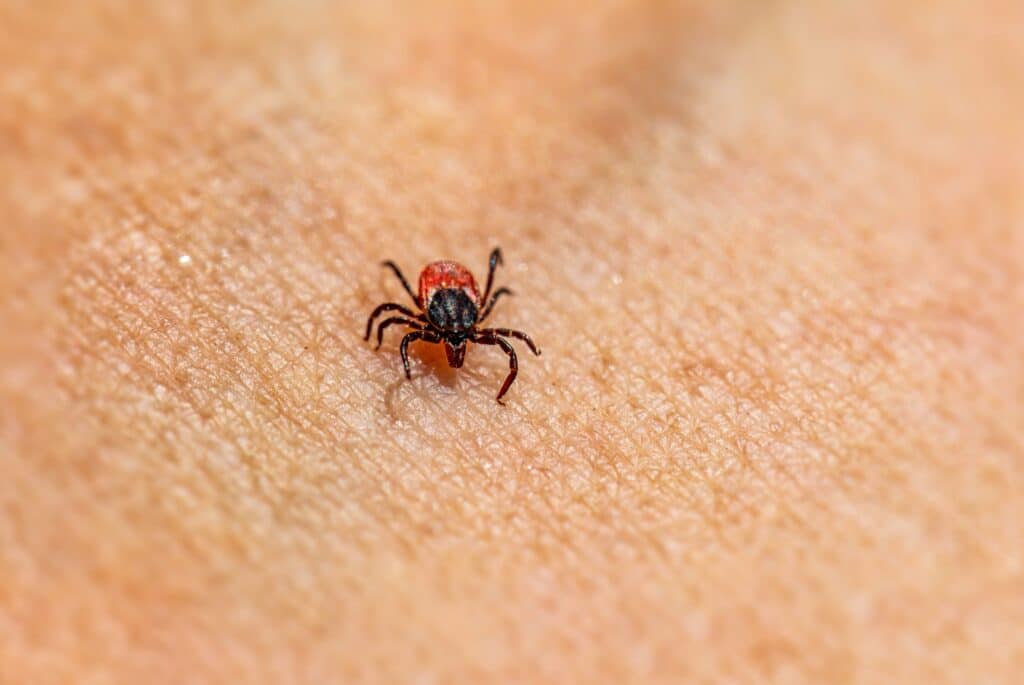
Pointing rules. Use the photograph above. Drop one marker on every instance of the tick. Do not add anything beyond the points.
(450, 310)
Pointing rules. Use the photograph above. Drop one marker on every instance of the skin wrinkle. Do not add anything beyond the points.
(787, 319)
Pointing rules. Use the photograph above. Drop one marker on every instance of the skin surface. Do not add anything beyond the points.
(772, 252)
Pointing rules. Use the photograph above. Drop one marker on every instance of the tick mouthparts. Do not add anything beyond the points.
(456, 355)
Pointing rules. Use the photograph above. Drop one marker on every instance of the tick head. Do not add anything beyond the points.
(456, 351)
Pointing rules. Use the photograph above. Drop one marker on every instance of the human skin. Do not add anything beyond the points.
(772, 253)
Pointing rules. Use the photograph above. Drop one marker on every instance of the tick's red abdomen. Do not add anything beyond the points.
(446, 274)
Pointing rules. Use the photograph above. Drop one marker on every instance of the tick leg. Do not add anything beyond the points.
(494, 298)
(509, 333)
(389, 307)
(405, 284)
(427, 336)
(513, 361)
(495, 260)
(392, 321)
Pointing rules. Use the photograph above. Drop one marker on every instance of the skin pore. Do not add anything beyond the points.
(772, 253)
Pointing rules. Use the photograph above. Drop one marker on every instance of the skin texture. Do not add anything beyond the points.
(773, 254)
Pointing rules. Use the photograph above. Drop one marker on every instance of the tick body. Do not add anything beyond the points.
(449, 310)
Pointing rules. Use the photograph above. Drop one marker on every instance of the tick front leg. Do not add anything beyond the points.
(509, 333)
(513, 361)
(389, 307)
(392, 321)
(426, 336)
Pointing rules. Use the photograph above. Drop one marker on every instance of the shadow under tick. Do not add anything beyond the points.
(425, 360)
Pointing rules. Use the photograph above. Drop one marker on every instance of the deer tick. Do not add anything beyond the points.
(450, 310)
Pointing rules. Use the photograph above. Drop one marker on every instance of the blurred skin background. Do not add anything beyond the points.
(772, 251)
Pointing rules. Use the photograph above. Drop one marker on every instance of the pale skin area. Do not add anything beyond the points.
(772, 253)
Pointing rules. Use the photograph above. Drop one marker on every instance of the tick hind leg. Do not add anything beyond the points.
(513, 361)
(494, 261)
(490, 304)
(426, 336)
(405, 284)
